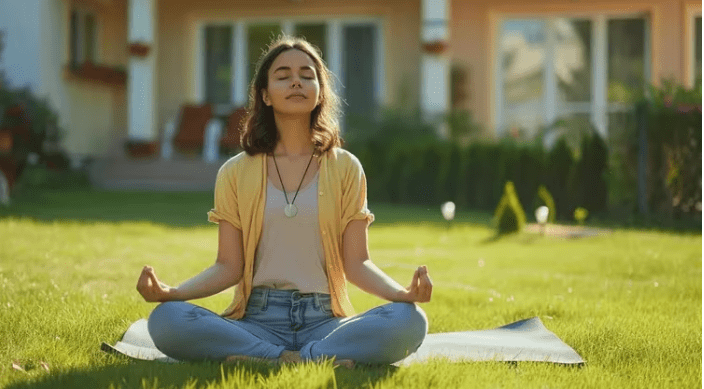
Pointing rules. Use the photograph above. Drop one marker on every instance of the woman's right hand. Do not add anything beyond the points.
(151, 288)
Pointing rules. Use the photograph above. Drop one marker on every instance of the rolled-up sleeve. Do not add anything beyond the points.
(354, 196)
(225, 207)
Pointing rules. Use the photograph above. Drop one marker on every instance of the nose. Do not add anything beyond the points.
(296, 82)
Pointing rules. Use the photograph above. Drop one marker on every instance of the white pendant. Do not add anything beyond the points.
(290, 210)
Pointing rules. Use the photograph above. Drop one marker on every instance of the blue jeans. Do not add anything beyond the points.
(277, 320)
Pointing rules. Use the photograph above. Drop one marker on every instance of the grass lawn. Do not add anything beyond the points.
(628, 302)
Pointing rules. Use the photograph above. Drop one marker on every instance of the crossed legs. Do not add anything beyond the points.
(382, 335)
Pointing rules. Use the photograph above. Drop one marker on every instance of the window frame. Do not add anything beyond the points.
(692, 10)
(599, 106)
(77, 55)
(334, 27)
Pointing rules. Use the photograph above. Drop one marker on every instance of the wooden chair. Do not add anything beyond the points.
(230, 141)
(189, 131)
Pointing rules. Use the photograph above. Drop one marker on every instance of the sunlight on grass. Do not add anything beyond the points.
(628, 302)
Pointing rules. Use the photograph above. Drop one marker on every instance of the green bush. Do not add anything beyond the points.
(449, 184)
(470, 175)
(489, 184)
(529, 173)
(559, 165)
(509, 216)
(545, 198)
(398, 158)
(592, 174)
(675, 139)
(33, 126)
(415, 167)
(422, 174)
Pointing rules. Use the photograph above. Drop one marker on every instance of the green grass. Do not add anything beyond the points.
(628, 302)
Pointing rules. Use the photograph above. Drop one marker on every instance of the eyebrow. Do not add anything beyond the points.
(288, 68)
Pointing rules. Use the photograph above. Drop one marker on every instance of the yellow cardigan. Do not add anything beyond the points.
(240, 193)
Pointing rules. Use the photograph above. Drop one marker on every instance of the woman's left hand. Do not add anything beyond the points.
(421, 287)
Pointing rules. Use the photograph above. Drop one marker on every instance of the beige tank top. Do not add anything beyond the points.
(290, 253)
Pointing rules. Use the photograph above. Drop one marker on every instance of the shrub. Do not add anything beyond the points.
(422, 180)
(414, 167)
(27, 125)
(675, 137)
(449, 183)
(592, 174)
(509, 216)
(545, 198)
(580, 214)
(559, 165)
(530, 173)
(470, 175)
(398, 157)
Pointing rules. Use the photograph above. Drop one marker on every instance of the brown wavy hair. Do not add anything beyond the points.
(259, 133)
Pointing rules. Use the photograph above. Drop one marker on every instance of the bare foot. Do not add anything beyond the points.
(288, 356)
(234, 358)
(347, 363)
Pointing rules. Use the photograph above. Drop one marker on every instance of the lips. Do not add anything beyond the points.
(296, 95)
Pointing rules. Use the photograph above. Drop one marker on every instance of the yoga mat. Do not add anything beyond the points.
(524, 340)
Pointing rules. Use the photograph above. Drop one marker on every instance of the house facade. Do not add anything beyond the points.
(118, 70)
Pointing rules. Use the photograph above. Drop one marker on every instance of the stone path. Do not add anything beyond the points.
(565, 231)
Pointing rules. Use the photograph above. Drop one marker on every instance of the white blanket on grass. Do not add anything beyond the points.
(524, 340)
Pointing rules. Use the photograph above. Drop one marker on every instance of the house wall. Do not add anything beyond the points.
(473, 38)
(93, 114)
(177, 29)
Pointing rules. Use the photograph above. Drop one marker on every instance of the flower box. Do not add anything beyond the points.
(141, 149)
(436, 47)
(138, 49)
(99, 73)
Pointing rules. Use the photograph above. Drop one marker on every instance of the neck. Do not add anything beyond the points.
(295, 135)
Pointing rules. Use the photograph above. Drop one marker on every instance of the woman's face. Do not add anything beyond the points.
(293, 84)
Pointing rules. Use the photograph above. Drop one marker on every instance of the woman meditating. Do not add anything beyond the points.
(292, 222)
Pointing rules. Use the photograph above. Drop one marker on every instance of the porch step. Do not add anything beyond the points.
(181, 174)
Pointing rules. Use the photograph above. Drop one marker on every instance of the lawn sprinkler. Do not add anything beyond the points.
(448, 212)
(541, 215)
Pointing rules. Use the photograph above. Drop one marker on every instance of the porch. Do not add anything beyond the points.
(183, 52)
(179, 174)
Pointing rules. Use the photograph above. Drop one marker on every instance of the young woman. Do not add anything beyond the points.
(293, 218)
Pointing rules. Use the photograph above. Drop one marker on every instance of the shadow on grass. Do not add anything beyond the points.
(69, 197)
(177, 209)
(82, 203)
(132, 373)
(491, 239)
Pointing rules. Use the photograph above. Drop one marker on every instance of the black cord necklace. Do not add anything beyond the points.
(291, 210)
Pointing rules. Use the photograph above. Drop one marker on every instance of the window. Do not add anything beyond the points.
(83, 33)
(626, 71)
(359, 53)
(626, 60)
(225, 75)
(574, 71)
(315, 33)
(258, 37)
(522, 58)
(218, 64)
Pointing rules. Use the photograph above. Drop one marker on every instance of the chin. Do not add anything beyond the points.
(296, 110)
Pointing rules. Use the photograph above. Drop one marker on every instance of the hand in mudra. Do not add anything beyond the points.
(151, 288)
(421, 287)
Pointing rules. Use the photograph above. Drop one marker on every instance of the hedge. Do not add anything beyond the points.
(430, 172)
